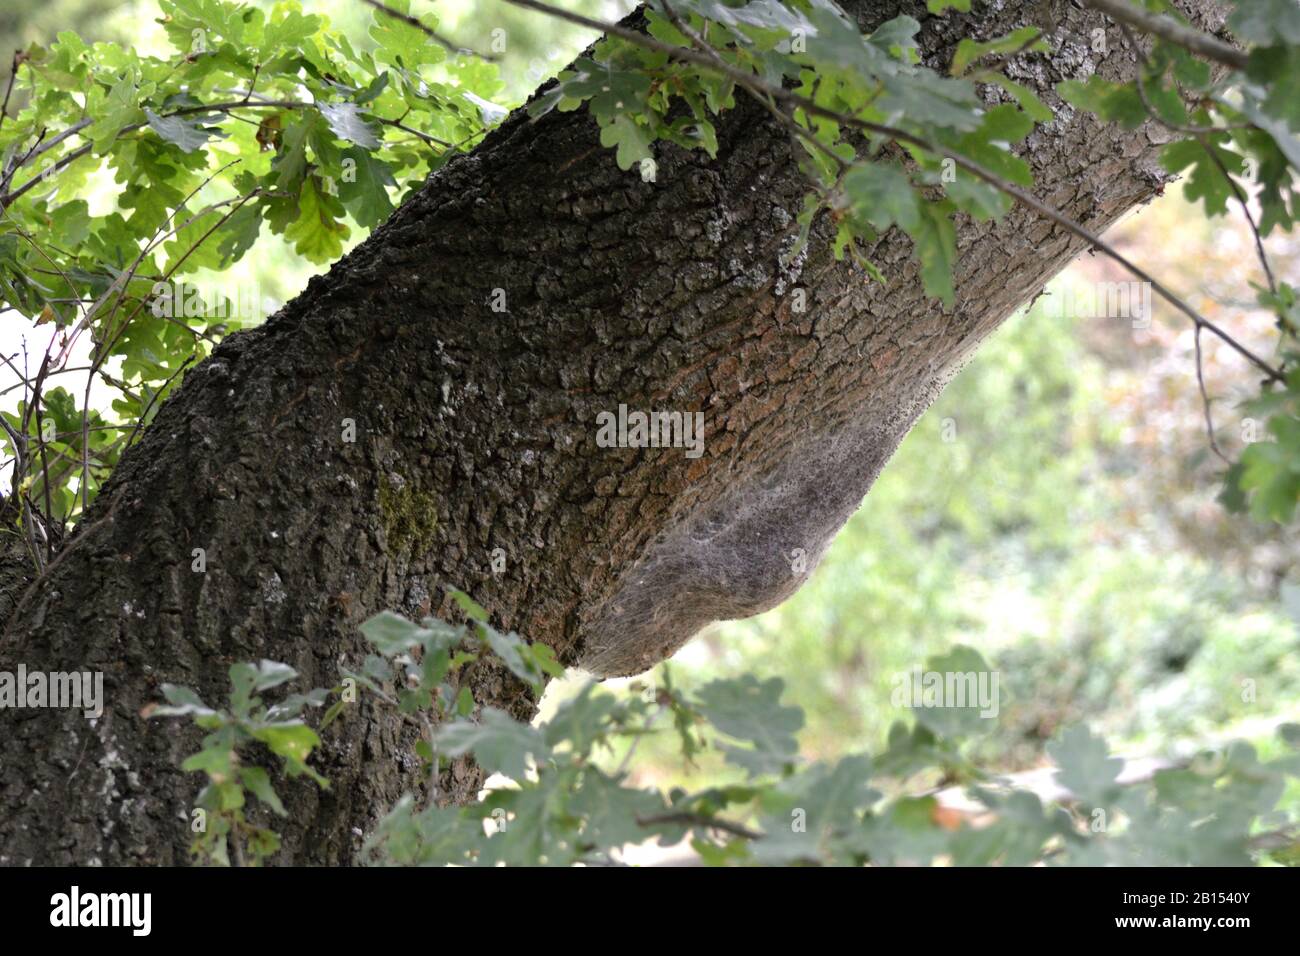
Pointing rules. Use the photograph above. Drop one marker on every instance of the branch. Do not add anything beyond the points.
(699, 820)
(752, 83)
(1167, 28)
(9, 87)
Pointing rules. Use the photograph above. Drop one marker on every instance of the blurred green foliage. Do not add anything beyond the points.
(551, 803)
(1003, 522)
(23, 22)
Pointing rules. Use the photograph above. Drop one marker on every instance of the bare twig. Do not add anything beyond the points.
(1205, 399)
(9, 88)
(699, 820)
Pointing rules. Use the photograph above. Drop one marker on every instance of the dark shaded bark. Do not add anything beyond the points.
(476, 431)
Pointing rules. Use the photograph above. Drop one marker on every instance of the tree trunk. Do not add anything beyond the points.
(476, 430)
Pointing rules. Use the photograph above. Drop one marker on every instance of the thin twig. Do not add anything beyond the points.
(699, 820)
(1240, 195)
(1205, 398)
(68, 548)
(45, 473)
(9, 88)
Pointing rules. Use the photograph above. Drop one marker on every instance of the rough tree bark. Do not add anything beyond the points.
(476, 431)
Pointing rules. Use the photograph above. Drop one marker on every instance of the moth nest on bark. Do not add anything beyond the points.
(743, 555)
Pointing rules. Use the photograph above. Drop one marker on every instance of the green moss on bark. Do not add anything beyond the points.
(410, 516)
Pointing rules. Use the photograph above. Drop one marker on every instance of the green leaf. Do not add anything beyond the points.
(229, 796)
(762, 15)
(290, 163)
(1084, 767)
(750, 710)
(583, 721)
(1166, 101)
(610, 92)
(1266, 22)
(538, 831)
(292, 740)
(364, 186)
(246, 680)
(188, 135)
(633, 141)
(898, 36)
(1277, 72)
(966, 693)
(1207, 182)
(1114, 102)
(924, 96)
(391, 633)
(968, 50)
(1270, 472)
(1005, 124)
(514, 653)
(473, 610)
(609, 812)
(272, 674)
(214, 761)
(1232, 496)
(401, 44)
(882, 194)
(317, 233)
(113, 112)
(256, 781)
(70, 223)
(238, 234)
(464, 703)
(499, 743)
(905, 833)
(181, 702)
(977, 198)
(346, 122)
(287, 29)
(935, 241)
(830, 799)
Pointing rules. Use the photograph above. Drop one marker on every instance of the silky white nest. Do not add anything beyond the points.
(745, 555)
